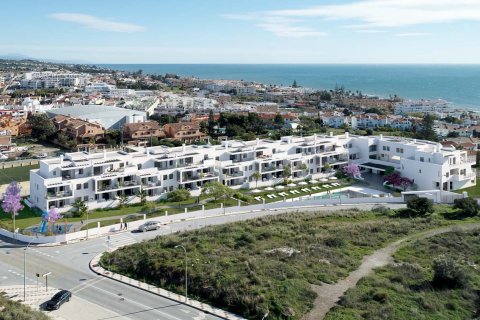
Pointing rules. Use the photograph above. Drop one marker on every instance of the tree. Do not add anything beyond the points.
(427, 132)
(12, 200)
(420, 206)
(304, 169)
(52, 216)
(42, 127)
(142, 194)
(279, 120)
(123, 200)
(287, 172)
(294, 84)
(326, 167)
(256, 175)
(395, 179)
(467, 206)
(447, 273)
(352, 170)
(80, 207)
(217, 190)
(453, 134)
(178, 195)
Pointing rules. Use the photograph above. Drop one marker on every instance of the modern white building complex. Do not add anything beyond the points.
(99, 178)
(49, 79)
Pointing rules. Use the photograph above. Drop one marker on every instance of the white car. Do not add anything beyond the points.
(148, 226)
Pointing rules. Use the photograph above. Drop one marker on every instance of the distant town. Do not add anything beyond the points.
(74, 107)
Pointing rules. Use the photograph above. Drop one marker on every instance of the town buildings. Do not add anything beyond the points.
(187, 132)
(78, 130)
(49, 80)
(99, 178)
(139, 133)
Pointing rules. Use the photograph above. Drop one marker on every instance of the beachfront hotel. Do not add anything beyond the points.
(99, 178)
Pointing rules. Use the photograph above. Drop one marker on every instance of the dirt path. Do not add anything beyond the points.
(329, 294)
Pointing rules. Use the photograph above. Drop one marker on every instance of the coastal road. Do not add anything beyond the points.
(102, 298)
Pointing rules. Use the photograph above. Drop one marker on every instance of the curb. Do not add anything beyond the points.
(96, 268)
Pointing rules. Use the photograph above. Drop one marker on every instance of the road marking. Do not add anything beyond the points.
(147, 308)
(86, 284)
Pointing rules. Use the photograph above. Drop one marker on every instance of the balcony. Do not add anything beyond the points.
(204, 176)
(59, 194)
(461, 177)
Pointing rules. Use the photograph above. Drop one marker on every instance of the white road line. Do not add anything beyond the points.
(140, 304)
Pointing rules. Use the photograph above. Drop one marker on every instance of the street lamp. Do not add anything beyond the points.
(186, 274)
(25, 270)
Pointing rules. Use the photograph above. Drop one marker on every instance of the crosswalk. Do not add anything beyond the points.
(120, 240)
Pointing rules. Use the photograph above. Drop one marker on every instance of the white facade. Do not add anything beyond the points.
(102, 177)
(49, 79)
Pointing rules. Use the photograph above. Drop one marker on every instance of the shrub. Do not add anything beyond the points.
(447, 273)
(420, 206)
(178, 195)
(381, 209)
(467, 206)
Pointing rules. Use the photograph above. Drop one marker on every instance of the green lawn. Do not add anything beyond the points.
(407, 290)
(264, 264)
(18, 174)
(473, 192)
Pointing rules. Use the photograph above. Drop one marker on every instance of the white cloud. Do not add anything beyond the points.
(96, 23)
(279, 26)
(391, 13)
(366, 16)
(412, 34)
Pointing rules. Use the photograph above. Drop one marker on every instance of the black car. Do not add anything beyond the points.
(58, 299)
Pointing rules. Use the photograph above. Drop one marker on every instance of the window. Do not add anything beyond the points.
(170, 176)
(85, 185)
(80, 171)
(399, 150)
(419, 170)
(386, 148)
(79, 186)
(373, 148)
(422, 159)
(85, 198)
(165, 177)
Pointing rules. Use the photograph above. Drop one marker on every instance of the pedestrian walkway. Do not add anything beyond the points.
(120, 240)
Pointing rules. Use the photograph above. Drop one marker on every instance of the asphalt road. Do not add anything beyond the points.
(69, 265)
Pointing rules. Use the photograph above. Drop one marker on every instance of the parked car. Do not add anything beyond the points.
(148, 226)
(58, 299)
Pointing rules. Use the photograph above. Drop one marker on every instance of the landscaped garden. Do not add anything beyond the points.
(218, 196)
(268, 264)
(435, 278)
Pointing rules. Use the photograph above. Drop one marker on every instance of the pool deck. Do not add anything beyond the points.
(363, 190)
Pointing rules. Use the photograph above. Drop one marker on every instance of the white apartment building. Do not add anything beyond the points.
(100, 178)
(423, 106)
(49, 79)
(100, 87)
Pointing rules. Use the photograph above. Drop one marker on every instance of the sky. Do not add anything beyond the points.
(244, 31)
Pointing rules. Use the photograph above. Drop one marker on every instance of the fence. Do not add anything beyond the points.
(18, 163)
(99, 231)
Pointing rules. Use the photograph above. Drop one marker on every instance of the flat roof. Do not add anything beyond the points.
(378, 166)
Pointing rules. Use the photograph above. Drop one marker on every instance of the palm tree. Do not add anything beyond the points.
(287, 172)
(256, 175)
(123, 200)
(80, 207)
(304, 168)
(142, 194)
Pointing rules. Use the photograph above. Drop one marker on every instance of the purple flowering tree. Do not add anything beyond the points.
(396, 180)
(352, 170)
(53, 215)
(12, 201)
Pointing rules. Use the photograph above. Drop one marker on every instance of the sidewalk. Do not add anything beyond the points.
(35, 298)
(95, 267)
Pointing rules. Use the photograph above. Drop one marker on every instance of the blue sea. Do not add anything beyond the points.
(459, 84)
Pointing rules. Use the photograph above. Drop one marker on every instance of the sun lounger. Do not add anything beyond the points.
(283, 194)
(273, 195)
(316, 188)
(259, 199)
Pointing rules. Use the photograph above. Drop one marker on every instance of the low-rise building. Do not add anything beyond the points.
(143, 131)
(79, 130)
(99, 178)
(187, 132)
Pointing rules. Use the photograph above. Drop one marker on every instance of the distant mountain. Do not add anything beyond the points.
(18, 56)
(15, 56)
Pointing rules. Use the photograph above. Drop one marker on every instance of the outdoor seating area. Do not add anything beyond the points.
(293, 190)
